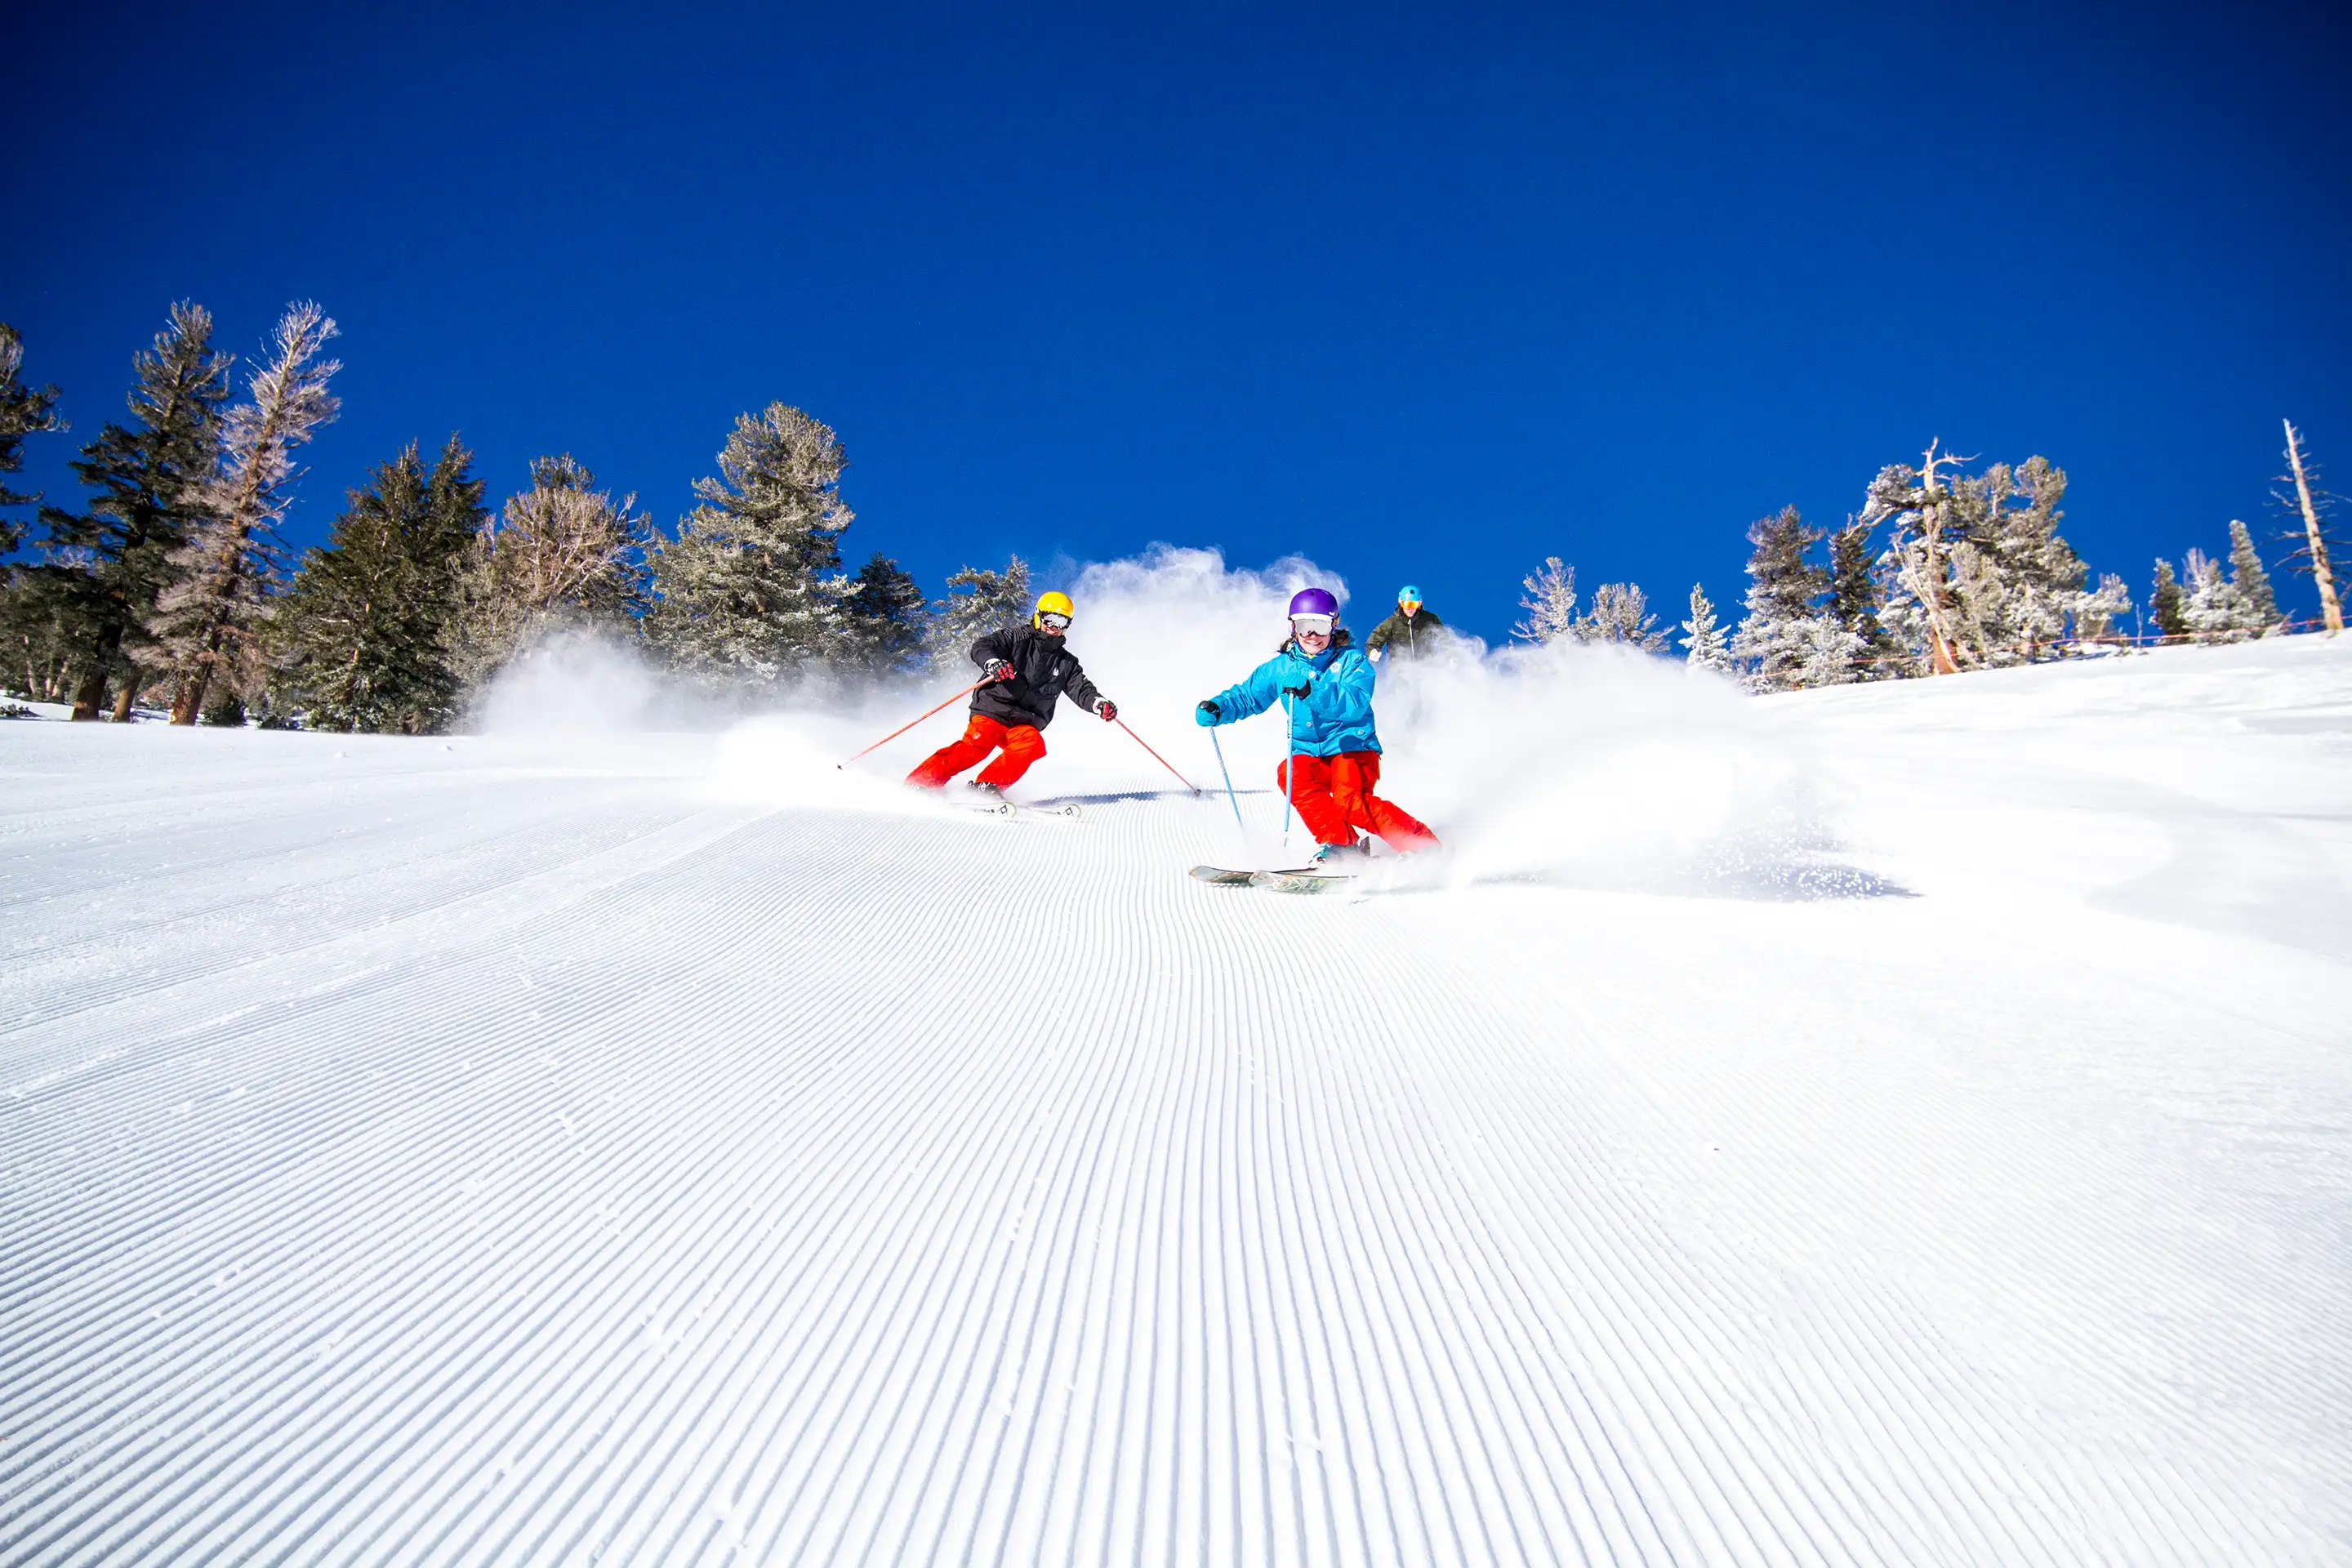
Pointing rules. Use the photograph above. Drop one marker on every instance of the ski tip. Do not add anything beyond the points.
(1219, 877)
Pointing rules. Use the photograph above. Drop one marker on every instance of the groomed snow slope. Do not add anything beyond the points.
(527, 1152)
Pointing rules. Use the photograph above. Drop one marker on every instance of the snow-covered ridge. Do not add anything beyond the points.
(1904, 1123)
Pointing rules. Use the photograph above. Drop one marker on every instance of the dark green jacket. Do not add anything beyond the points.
(1405, 638)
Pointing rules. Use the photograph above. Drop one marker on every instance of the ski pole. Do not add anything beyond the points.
(911, 724)
(1156, 756)
(1289, 767)
(1230, 797)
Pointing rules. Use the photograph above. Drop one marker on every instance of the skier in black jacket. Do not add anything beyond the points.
(1024, 669)
(1408, 634)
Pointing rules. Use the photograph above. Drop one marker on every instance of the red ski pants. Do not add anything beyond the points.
(1022, 742)
(1334, 797)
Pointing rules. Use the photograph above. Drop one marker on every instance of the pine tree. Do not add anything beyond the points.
(1705, 643)
(2168, 608)
(23, 410)
(363, 632)
(2209, 608)
(2097, 610)
(562, 557)
(1619, 615)
(1549, 602)
(885, 619)
(207, 621)
(150, 477)
(2250, 581)
(1974, 572)
(2020, 580)
(1854, 599)
(1778, 638)
(978, 602)
(38, 631)
(741, 594)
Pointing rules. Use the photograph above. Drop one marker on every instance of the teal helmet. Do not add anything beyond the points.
(1408, 595)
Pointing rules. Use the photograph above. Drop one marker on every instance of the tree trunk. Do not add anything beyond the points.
(1941, 653)
(128, 698)
(91, 696)
(190, 702)
(2330, 610)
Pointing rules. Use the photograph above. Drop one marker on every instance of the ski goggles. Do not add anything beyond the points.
(1322, 623)
(1059, 623)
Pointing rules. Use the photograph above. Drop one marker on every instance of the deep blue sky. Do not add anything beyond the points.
(1424, 293)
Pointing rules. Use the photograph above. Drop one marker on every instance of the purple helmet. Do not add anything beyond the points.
(1314, 602)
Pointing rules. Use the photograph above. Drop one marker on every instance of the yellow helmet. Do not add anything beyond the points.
(1053, 605)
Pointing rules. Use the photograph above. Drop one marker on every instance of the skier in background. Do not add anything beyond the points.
(1410, 633)
(1024, 669)
(1335, 751)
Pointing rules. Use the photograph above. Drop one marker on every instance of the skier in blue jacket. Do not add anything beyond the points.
(1326, 688)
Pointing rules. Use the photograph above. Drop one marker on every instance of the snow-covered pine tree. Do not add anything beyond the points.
(979, 601)
(1778, 638)
(1550, 600)
(207, 618)
(1854, 600)
(2314, 549)
(562, 557)
(1619, 614)
(1707, 645)
(2097, 610)
(1827, 655)
(2209, 607)
(2034, 577)
(2168, 607)
(742, 595)
(2250, 581)
(23, 410)
(361, 635)
(883, 611)
(150, 476)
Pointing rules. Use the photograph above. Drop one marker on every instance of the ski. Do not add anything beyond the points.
(1300, 881)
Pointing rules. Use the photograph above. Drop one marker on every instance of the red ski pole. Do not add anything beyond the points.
(911, 724)
(1155, 756)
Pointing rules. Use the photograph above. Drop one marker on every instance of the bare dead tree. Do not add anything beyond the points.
(207, 620)
(2313, 552)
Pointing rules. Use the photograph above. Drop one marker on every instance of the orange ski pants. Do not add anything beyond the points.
(1334, 797)
(1022, 742)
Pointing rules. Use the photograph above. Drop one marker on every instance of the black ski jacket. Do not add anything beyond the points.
(1406, 637)
(1042, 669)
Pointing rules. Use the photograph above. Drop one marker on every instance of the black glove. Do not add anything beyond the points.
(1107, 708)
(1302, 692)
(995, 670)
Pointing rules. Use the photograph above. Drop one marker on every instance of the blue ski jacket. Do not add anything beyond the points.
(1336, 715)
